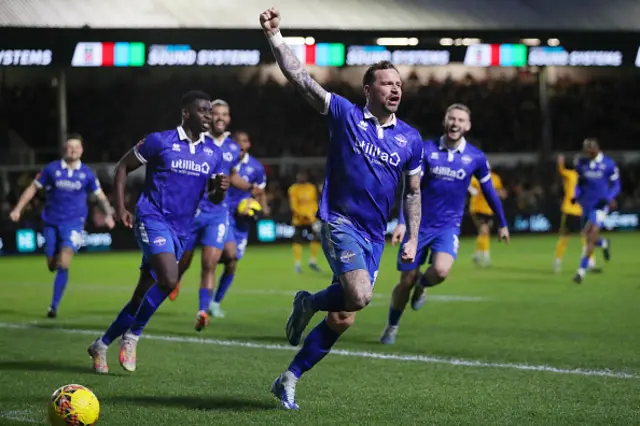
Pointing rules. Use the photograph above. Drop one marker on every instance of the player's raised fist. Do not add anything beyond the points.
(14, 215)
(270, 20)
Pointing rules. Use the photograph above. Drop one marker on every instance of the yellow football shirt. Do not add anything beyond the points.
(303, 198)
(478, 203)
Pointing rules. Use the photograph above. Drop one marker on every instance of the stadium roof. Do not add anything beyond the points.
(328, 14)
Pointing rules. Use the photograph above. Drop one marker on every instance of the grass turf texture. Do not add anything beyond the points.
(517, 312)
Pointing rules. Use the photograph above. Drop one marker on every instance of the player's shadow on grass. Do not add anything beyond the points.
(214, 402)
(42, 365)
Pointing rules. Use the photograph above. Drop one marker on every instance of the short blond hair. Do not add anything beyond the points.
(461, 107)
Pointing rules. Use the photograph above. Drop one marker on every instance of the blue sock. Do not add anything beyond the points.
(317, 344)
(223, 286)
(120, 325)
(584, 262)
(331, 299)
(204, 296)
(602, 242)
(394, 316)
(59, 284)
(150, 304)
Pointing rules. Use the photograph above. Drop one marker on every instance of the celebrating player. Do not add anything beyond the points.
(66, 183)
(596, 191)
(303, 199)
(252, 172)
(182, 164)
(449, 163)
(571, 216)
(211, 224)
(482, 216)
(369, 151)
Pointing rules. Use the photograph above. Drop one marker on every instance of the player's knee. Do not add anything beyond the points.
(440, 272)
(360, 300)
(230, 266)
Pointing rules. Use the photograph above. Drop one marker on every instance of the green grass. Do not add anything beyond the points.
(517, 312)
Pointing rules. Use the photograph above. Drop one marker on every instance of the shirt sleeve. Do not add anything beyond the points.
(148, 148)
(93, 184)
(261, 181)
(414, 165)
(336, 106)
(43, 178)
(217, 168)
(483, 170)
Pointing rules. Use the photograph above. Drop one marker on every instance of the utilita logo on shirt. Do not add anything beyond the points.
(448, 173)
(375, 154)
(69, 185)
(190, 167)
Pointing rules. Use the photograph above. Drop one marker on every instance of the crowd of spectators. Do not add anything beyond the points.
(506, 118)
(506, 112)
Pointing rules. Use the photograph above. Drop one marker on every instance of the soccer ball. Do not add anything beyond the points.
(73, 405)
(249, 207)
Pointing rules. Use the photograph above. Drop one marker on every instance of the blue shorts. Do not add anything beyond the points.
(443, 240)
(596, 217)
(155, 237)
(57, 237)
(347, 250)
(208, 230)
(238, 234)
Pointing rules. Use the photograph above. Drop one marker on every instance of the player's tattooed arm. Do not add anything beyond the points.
(289, 64)
(412, 205)
(104, 204)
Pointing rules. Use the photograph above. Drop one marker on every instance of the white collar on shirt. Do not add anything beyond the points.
(183, 136)
(599, 158)
(65, 165)
(245, 159)
(369, 116)
(219, 141)
(461, 146)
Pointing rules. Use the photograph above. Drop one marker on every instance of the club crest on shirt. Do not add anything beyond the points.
(58, 173)
(82, 175)
(175, 147)
(466, 159)
(363, 125)
(208, 151)
(401, 140)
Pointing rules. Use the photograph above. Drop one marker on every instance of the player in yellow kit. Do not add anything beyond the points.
(303, 199)
(571, 221)
(482, 216)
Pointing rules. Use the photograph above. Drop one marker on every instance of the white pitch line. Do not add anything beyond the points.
(259, 292)
(357, 354)
(23, 416)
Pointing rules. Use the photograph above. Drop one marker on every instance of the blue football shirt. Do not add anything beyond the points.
(595, 180)
(177, 175)
(365, 165)
(446, 179)
(230, 159)
(252, 171)
(66, 192)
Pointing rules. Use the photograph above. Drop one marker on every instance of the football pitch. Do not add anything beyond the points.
(510, 345)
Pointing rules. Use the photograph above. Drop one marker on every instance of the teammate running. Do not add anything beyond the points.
(369, 151)
(182, 164)
(449, 163)
(66, 184)
(252, 172)
(596, 191)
